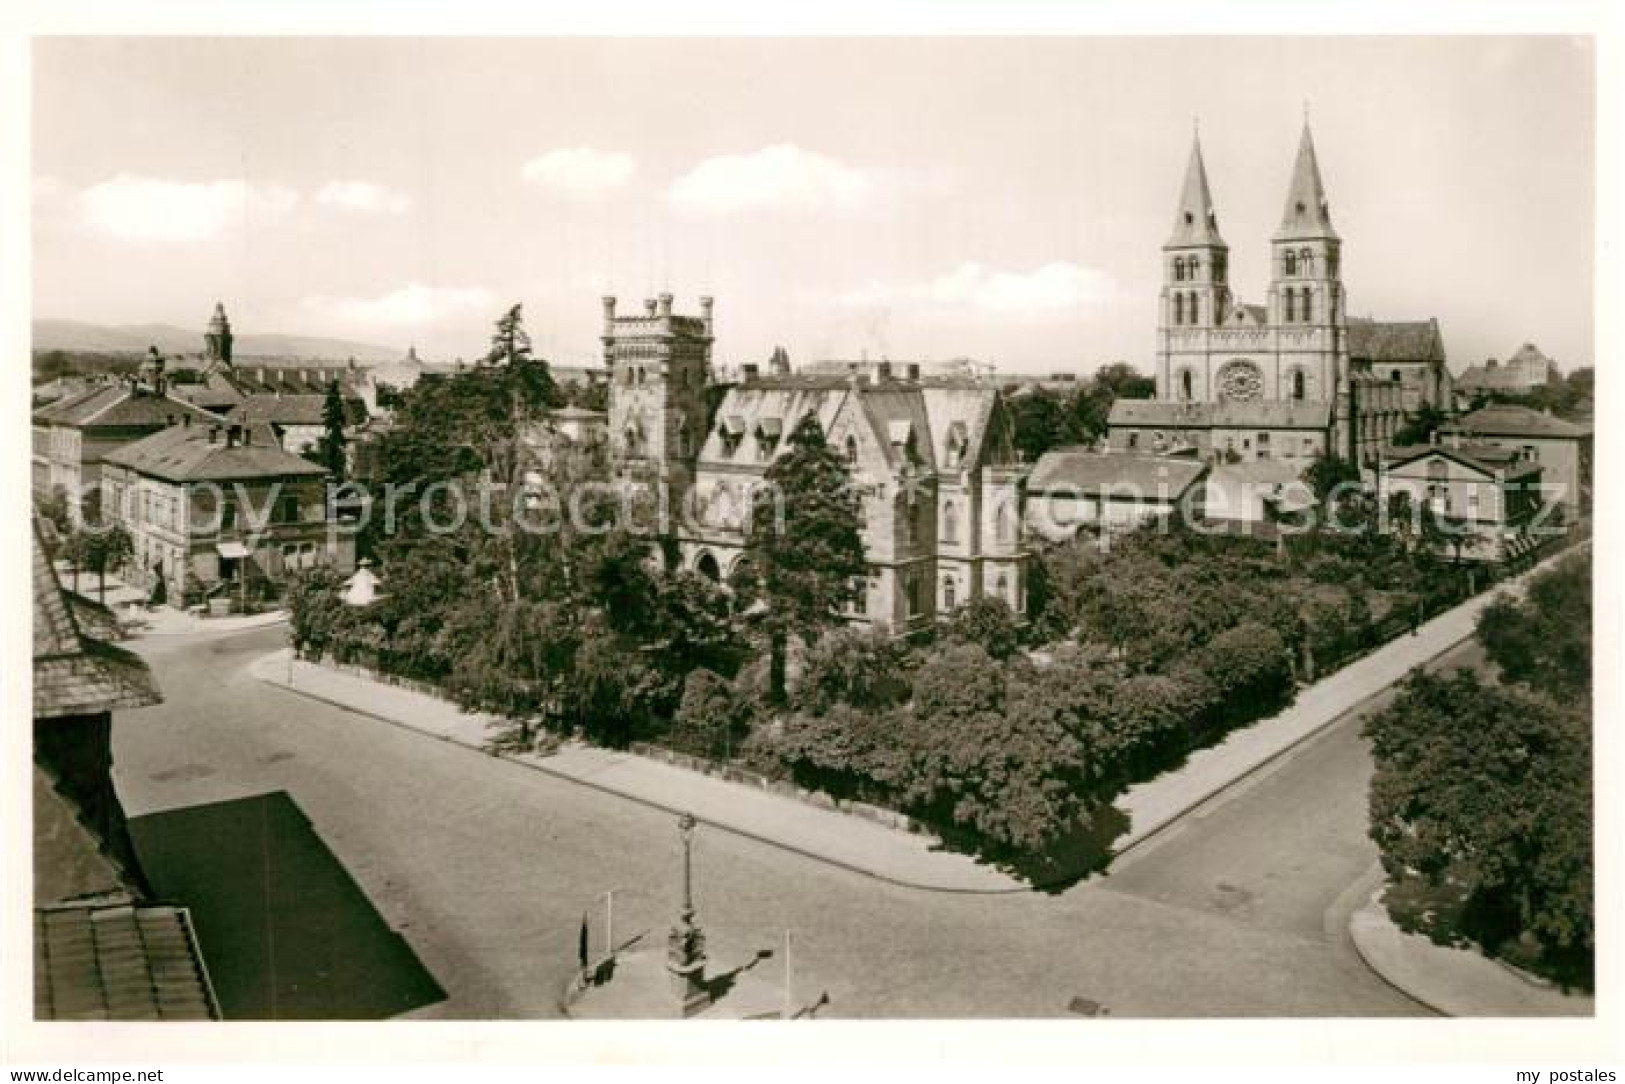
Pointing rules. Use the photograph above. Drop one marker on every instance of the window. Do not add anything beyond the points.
(1179, 308)
(1001, 587)
(1394, 376)
(287, 508)
(1308, 307)
(1263, 445)
(1291, 265)
(1195, 310)
(1291, 308)
(1307, 258)
(950, 592)
(950, 522)
(1133, 440)
(1185, 384)
(1190, 268)
(1297, 384)
(851, 449)
(1006, 525)
(1179, 269)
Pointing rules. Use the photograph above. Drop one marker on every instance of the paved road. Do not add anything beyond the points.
(486, 867)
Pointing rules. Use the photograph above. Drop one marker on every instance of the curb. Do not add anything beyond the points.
(650, 803)
(1374, 900)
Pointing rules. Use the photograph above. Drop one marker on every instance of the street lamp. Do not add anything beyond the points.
(685, 950)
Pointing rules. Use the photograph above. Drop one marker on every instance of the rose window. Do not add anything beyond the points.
(1241, 381)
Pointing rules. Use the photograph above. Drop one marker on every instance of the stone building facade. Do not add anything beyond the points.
(940, 482)
(1258, 380)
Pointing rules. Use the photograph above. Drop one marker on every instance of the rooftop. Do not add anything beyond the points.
(1092, 472)
(207, 453)
(1511, 420)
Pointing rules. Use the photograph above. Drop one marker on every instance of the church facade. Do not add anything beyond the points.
(1256, 381)
(932, 458)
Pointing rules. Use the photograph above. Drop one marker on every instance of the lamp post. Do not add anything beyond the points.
(685, 951)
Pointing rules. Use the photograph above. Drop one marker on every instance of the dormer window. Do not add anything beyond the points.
(958, 442)
(732, 431)
(768, 431)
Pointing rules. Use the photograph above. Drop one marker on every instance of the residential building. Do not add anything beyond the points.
(1525, 371)
(938, 475)
(221, 511)
(1562, 448)
(298, 419)
(1491, 495)
(1264, 380)
(1071, 489)
(74, 435)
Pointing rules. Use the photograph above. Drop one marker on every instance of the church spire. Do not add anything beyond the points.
(1195, 222)
(1307, 214)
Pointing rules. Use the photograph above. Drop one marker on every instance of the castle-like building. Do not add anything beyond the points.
(939, 479)
(1291, 378)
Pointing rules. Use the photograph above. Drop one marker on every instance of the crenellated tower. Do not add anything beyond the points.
(659, 364)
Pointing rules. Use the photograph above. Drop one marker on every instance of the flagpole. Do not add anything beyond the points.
(788, 1012)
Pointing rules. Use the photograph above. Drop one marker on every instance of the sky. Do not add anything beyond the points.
(913, 198)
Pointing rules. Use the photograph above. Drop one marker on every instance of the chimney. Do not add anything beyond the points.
(609, 315)
(751, 371)
(665, 305)
(914, 371)
(648, 306)
(705, 312)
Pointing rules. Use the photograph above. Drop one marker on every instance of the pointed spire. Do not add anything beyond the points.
(1195, 222)
(1307, 214)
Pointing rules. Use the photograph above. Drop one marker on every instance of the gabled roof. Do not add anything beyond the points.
(1088, 472)
(119, 405)
(1196, 224)
(1307, 215)
(187, 454)
(1511, 420)
(1484, 458)
(1394, 341)
(73, 674)
(299, 408)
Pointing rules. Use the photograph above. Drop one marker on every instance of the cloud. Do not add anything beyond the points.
(363, 196)
(1058, 286)
(410, 305)
(779, 177)
(580, 171)
(138, 208)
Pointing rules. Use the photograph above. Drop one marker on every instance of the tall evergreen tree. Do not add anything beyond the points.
(804, 547)
(333, 439)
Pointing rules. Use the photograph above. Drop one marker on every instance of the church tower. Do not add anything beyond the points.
(1306, 303)
(217, 340)
(659, 365)
(1195, 279)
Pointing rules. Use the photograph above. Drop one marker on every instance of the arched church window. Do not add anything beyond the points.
(1185, 391)
(1291, 264)
(1179, 269)
(1289, 296)
(1195, 310)
(1179, 308)
(1308, 305)
(1297, 384)
(950, 522)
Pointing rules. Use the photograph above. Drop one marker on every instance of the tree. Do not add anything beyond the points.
(1488, 789)
(1328, 474)
(805, 561)
(1544, 641)
(1420, 426)
(515, 662)
(988, 622)
(1039, 423)
(711, 718)
(107, 547)
(331, 445)
(861, 668)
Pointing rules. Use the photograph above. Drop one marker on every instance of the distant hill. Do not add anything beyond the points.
(78, 336)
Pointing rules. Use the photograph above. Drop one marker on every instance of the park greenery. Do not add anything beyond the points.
(1481, 802)
(1008, 733)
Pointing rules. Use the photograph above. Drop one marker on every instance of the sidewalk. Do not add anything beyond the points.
(849, 842)
(1153, 805)
(1452, 981)
(138, 620)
